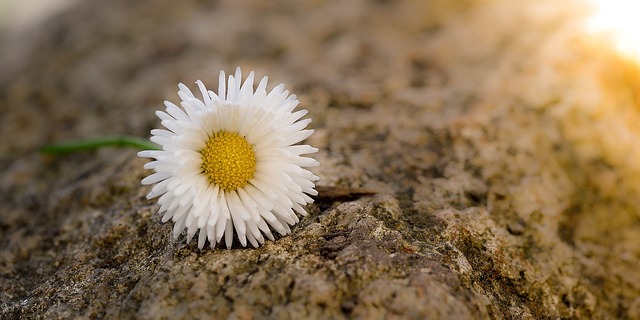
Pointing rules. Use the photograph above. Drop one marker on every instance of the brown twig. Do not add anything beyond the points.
(333, 193)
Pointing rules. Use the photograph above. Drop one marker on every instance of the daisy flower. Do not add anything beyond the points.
(231, 161)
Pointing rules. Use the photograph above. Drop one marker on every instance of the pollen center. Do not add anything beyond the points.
(228, 160)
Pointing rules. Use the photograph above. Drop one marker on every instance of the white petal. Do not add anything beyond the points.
(167, 216)
(220, 228)
(236, 207)
(284, 213)
(155, 178)
(228, 234)
(175, 112)
(159, 189)
(222, 91)
(150, 154)
(278, 226)
(211, 236)
(162, 132)
(191, 230)
(296, 137)
(180, 212)
(202, 237)
(280, 187)
(184, 91)
(164, 116)
(301, 149)
(205, 94)
(252, 240)
(262, 225)
(232, 90)
(241, 231)
(178, 227)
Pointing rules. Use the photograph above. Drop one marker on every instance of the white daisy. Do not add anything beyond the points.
(231, 161)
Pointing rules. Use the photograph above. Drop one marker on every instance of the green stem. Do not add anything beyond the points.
(90, 144)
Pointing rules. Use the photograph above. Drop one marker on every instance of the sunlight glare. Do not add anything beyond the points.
(620, 21)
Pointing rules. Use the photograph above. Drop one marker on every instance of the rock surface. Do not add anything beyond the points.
(501, 140)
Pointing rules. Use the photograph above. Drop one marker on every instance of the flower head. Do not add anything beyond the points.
(232, 161)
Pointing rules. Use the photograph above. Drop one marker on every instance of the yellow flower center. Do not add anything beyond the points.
(228, 160)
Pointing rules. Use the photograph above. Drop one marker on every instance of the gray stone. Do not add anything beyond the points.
(500, 138)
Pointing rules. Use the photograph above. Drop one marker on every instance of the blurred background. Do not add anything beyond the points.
(614, 20)
(502, 134)
(18, 14)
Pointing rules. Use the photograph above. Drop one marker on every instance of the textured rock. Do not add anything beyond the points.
(502, 142)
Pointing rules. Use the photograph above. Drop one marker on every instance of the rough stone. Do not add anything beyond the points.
(501, 139)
